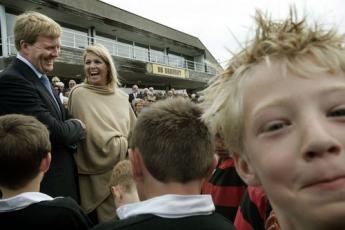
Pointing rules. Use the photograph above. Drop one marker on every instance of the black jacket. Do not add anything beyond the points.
(202, 222)
(22, 92)
(60, 213)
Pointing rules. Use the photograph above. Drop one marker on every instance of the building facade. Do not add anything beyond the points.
(145, 52)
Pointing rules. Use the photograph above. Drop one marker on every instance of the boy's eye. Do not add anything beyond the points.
(337, 112)
(274, 126)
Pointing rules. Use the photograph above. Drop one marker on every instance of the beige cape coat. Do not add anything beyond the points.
(109, 118)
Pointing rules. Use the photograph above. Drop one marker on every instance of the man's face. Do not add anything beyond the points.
(42, 53)
(71, 84)
(55, 81)
(294, 139)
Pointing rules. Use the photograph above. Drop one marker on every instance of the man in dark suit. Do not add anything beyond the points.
(135, 94)
(25, 89)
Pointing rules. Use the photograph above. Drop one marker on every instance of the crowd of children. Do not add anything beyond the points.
(275, 119)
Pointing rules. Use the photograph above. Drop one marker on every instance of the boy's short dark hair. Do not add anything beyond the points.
(24, 143)
(175, 144)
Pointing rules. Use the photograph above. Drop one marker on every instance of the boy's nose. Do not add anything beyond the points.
(318, 141)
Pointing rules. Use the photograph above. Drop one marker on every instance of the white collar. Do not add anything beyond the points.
(169, 206)
(22, 201)
(23, 59)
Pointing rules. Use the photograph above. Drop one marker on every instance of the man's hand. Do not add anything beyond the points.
(81, 123)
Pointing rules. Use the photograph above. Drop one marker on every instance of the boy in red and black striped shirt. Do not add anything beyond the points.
(224, 185)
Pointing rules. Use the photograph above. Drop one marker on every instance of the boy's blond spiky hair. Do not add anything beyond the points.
(288, 42)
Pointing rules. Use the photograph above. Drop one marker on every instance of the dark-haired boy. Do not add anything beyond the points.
(171, 151)
(24, 158)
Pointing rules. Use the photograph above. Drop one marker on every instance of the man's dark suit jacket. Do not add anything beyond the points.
(131, 97)
(22, 92)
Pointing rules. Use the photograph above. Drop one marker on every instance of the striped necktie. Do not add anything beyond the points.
(45, 81)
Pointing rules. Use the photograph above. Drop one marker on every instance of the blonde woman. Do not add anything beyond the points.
(109, 117)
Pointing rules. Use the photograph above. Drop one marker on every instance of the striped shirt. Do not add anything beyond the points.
(226, 188)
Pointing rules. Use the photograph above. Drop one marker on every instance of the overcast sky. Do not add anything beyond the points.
(214, 21)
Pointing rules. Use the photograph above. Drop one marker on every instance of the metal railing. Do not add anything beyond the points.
(119, 49)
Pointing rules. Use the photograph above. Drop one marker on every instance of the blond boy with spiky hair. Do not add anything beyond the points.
(281, 107)
(122, 184)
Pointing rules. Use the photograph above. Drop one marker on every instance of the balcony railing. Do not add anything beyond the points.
(118, 49)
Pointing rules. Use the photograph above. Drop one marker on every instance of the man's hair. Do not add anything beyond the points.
(288, 43)
(24, 143)
(28, 26)
(176, 146)
(56, 79)
(123, 176)
(102, 52)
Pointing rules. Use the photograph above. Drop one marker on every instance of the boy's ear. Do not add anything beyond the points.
(245, 170)
(45, 163)
(116, 191)
(135, 158)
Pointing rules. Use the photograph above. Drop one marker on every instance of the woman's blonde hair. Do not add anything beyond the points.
(287, 42)
(102, 52)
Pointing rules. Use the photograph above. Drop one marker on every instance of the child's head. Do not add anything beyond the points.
(281, 107)
(286, 43)
(138, 105)
(24, 143)
(175, 145)
(122, 184)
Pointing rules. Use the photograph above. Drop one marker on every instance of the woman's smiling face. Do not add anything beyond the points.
(96, 70)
